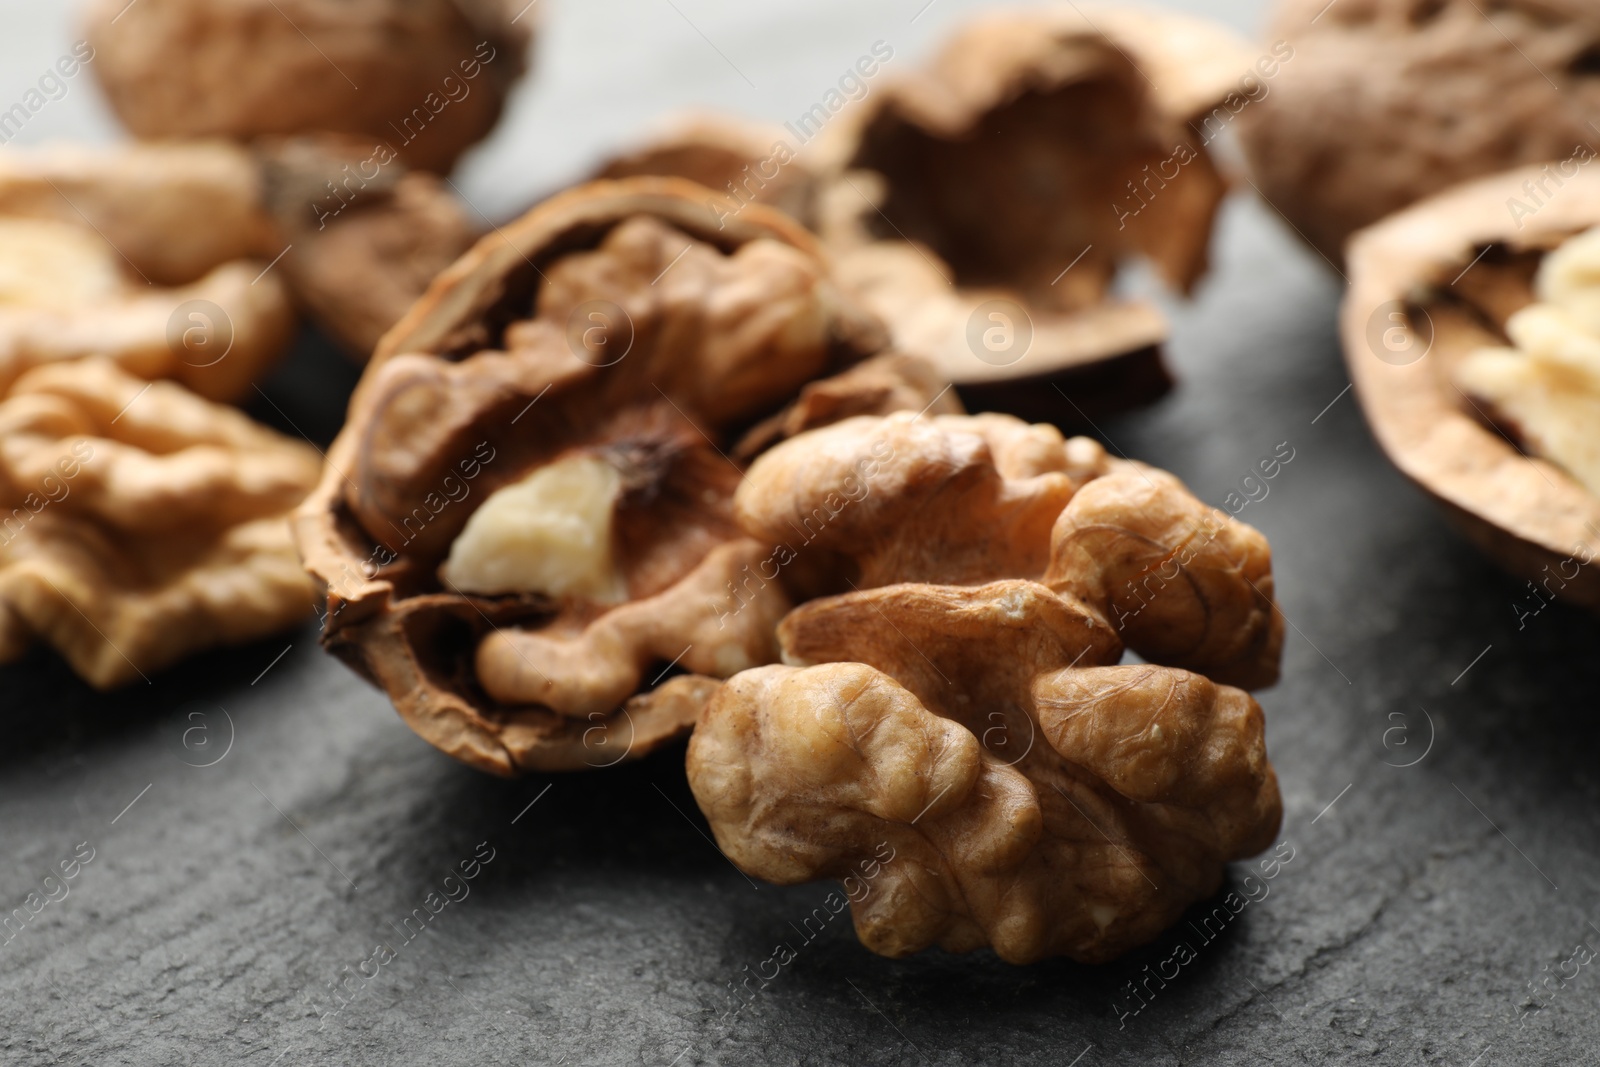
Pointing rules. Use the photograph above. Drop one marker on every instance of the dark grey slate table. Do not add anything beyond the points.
(1437, 762)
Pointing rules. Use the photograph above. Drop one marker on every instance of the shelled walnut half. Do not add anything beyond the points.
(982, 205)
(140, 523)
(958, 717)
(527, 521)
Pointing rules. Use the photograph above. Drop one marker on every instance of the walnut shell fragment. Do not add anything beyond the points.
(354, 235)
(983, 204)
(1429, 287)
(1383, 102)
(428, 76)
(140, 523)
(527, 521)
(976, 757)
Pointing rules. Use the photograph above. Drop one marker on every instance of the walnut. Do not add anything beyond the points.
(1548, 385)
(1031, 795)
(527, 521)
(1464, 334)
(365, 236)
(982, 205)
(65, 293)
(963, 500)
(1383, 102)
(426, 76)
(354, 235)
(140, 523)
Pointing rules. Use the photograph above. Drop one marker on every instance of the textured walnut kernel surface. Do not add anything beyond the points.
(183, 69)
(618, 330)
(1385, 102)
(141, 523)
(1037, 799)
(964, 704)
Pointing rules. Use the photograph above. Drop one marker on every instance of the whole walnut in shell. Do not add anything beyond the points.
(1384, 102)
(527, 522)
(427, 76)
(140, 523)
(1030, 793)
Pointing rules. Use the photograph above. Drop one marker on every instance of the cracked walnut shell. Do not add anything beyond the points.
(141, 523)
(1012, 176)
(527, 521)
(428, 76)
(1035, 796)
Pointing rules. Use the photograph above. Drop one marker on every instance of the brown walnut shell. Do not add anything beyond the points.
(1429, 286)
(1383, 102)
(501, 370)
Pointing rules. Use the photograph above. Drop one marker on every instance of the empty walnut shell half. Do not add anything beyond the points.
(982, 205)
(527, 523)
(1430, 286)
(427, 76)
(1384, 102)
(140, 523)
(957, 731)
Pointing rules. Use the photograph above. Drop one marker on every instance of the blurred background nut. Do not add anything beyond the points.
(1387, 101)
(353, 234)
(527, 519)
(1138, 784)
(141, 523)
(66, 293)
(429, 75)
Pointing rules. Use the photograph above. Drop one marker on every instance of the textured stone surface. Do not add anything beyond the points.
(223, 903)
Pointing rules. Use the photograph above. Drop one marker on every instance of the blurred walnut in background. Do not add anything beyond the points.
(428, 75)
(1386, 101)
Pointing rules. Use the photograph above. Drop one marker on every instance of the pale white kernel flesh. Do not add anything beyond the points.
(549, 533)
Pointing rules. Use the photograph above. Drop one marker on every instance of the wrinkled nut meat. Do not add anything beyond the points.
(528, 517)
(65, 293)
(961, 500)
(426, 76)
(1381, 103)
(982, 206)
(965, 735)
(355, 236)
(1547, 387)
(140, 523)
